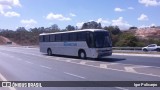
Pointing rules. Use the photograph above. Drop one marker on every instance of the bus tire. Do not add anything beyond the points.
(145, 50)
(82, 54)
(49, 52)
(158, 49)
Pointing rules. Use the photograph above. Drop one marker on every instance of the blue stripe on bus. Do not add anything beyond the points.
(70, 44)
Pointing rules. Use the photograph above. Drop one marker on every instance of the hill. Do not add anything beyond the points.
(148, 33)
(4, 41)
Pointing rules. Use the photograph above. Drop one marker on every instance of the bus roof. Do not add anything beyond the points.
(92, 30)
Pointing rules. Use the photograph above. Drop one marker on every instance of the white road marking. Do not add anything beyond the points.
(129, 69)
(107, 64)
(56, 58)
(141, 66)
(121, 88)
(74, 75)
(4, 79)
(83, 62)
(132, 68)
(45, 67)
(68, 60)
(28, 62)
(111, 64)
(74, 59)
(103, 66)
(119, 70)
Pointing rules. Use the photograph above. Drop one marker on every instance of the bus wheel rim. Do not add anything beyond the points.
(82, 55)
(49, 52)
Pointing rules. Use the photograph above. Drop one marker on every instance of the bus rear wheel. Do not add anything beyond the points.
(158, 49)
(82, 54)
(145, 50)
(49, 52)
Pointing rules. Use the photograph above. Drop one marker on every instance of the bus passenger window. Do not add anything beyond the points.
(58, 38)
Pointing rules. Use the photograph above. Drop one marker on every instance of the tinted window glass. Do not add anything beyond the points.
(58, 38)
(52, 38)
(90, 39)
(46, 38)
(73, 37)
(65, 37)
(82, 36)
(151, 46)
(102, 40)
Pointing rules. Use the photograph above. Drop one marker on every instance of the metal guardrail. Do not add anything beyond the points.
(127, 48)
(135, 50)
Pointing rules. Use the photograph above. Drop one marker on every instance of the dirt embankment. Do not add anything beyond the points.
(5, 41)
(148, 33)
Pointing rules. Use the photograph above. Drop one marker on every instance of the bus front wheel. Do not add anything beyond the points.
(49, 52)
(82, 54)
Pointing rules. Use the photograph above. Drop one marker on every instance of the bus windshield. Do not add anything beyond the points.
(102, 40)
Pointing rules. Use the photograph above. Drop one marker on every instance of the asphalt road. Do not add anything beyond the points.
(28, 64)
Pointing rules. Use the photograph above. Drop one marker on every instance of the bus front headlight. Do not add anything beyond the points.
(98, 51)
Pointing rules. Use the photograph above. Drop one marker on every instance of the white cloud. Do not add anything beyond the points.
(3, 7)
(119, 10)
(79, 25)
(121, 23)
(153, 24)
(131, 8)
(11, 14)
(60, 17)
(150, 2)
(103, 22)
(143, 17)
(29, 23)
(146, 26)
(72, 14)
(100, 20)
(10, 3)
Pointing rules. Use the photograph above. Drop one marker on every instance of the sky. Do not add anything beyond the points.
(44, 13)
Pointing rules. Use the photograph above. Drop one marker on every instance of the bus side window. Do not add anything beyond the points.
(52, 38)
(58, 37)
(65, 37)
(46, 38)
(82, 36)
(73, 36)
(90, 40)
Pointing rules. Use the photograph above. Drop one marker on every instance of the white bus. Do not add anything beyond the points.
(92, 43)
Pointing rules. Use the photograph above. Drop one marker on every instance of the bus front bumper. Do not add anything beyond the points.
(103, 54)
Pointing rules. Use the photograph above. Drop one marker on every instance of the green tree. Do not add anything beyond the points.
(127, 39)
(70, 28)
(113, 29)
(54, 28)
(92, 25)
(133, 28)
